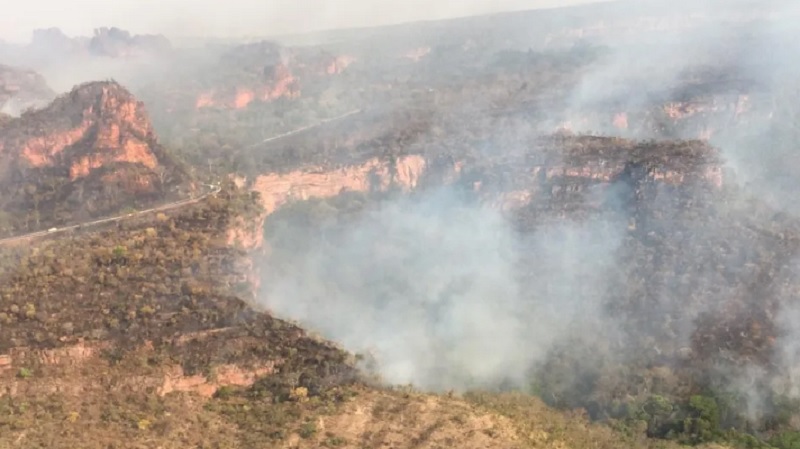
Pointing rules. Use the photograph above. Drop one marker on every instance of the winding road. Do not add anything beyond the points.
(213, 191)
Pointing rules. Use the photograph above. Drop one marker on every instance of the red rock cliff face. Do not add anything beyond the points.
(283, 84)
(89, 154)
(108, 125)
(264, 72)
(277, 189)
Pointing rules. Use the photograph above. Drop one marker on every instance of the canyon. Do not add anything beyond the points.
(538, 219)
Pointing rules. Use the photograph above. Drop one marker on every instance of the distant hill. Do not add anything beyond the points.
(110, 42)
(21, 89)
(89, 153)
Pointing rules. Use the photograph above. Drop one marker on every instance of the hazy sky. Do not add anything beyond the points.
(236, 17)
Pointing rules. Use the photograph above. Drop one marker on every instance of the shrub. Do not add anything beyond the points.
(308, 430)
(786, 440)
(702, 424)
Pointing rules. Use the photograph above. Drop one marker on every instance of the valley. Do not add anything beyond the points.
(558, 228)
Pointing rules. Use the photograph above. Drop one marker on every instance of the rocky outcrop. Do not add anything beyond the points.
(53, 40)
(576, 161)
(224, 375)
(280, 84)
(277, 189)
(107, 123)
(701, 117)
(92, 148)
(80, 356)
(263, 72)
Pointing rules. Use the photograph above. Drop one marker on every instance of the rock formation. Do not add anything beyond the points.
(92, 151)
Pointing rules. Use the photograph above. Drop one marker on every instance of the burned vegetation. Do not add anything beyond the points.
(692, 323)
(688, 337)
(97, 330)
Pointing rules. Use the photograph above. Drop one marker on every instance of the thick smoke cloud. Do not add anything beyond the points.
(733, 64)
(432, 287)
(738, 72)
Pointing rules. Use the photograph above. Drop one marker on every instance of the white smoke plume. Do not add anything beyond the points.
(431, 286)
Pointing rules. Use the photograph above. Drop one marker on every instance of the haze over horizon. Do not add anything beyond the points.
(239, 18)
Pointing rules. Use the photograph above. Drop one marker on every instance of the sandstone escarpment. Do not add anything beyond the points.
(105, 42)
(104, 119)
(82, 356)
(278, 189)
(116, 43)
(556, 163)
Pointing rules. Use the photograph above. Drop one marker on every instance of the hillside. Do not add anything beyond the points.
(134, 336)
(90, 153)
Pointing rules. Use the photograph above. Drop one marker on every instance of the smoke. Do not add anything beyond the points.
(708, 70)
(433, 286)
(11, 107)
(444, 292)
(241, 17)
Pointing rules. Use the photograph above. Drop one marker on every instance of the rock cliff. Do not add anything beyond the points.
(91, 152)
(554, 164)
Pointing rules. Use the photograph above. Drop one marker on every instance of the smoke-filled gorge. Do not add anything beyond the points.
(431, 285)
(600, 292)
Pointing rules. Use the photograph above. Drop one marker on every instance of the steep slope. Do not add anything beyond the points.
(22, 89)
(90, 153)
(134, 338)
